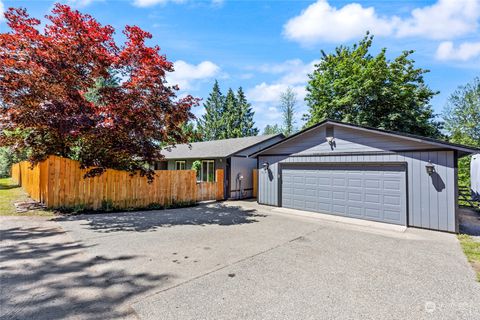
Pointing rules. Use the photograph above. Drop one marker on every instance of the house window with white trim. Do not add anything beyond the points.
(207, 173)
(180, 165)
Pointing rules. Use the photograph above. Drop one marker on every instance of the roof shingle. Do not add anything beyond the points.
(213, 149)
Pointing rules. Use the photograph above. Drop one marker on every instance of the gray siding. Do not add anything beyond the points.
(346, 140)
(243, 166)
(431, 199)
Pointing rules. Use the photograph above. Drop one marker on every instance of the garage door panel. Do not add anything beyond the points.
(391, 185)
(339, 209)
(373, 212)
(391, 200)
(372, 183)
(367, 192)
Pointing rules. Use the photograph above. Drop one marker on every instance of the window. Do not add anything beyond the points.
(180, 165)
(208, 171)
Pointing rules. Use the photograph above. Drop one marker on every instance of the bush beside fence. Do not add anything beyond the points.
(59, 183)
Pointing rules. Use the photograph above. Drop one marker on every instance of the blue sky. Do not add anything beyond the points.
(266, 46)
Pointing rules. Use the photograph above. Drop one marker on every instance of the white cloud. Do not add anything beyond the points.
(320, 21)
(81, 3)
(186, 75)
(150, 3)
(265, 97)
(218, 2)
(264, 92)
(465, 51)
(445, 19)
(2, 11)
(293, 71)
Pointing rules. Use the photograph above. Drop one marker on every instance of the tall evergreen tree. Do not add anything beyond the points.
(230, 117)
(247, 125)
(210, 126)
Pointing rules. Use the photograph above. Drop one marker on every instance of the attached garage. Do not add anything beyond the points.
(373, 192)
(358, 172)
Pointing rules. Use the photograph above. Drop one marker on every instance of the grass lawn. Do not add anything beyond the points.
(471, 248)
(10, 193)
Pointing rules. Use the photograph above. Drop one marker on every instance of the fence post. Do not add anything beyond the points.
(219, 182)
(255, 182)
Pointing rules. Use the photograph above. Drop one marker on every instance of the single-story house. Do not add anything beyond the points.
(231, 155)
(360, 172)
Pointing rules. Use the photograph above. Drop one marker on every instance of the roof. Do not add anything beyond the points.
(438, 143)
(216, 148)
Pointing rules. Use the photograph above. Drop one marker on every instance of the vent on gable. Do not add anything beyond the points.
(329, 132)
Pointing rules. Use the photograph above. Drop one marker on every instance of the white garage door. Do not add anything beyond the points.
(372, 192)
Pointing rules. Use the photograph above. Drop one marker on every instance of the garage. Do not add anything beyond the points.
(372, 192)
(355, 171)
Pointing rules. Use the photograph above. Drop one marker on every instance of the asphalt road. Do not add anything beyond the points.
(228, 261)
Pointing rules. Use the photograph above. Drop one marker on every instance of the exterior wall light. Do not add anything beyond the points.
(430, 168)
(331, 142)
(266, 165)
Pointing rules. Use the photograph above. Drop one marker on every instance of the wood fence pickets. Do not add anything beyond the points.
(255, 183)
(59, 182)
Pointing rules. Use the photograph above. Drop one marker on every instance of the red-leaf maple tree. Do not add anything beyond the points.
(47, 76)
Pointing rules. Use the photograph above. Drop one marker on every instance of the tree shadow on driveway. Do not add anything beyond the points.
(138, 221)
(44, 275)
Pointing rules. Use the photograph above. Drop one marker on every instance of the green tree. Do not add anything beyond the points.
(288, 99)
(210, 125)
(9, 156)
(272, 129)
(230, 117)
(462, 122)
(94, 95)
(247, 124)
(352, 85)
(192, 132)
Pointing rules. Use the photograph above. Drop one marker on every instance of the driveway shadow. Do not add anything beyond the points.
(469, 221)
(138, 221)
(42, 276)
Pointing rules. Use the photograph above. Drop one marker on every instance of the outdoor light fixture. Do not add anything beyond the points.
(265, 166)
(430, 168)
(331, 141)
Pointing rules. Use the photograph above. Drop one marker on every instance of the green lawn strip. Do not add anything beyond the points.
(11, 193)
(471, 248)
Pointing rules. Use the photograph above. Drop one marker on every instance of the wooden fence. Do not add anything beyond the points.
(58, 183)
(255, 183)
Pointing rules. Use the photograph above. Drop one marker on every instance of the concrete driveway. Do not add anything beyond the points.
(232, 260)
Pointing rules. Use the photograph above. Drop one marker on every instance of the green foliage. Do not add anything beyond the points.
(229, 116)
(210, 125)
(272, 129)
(288, 99)
(462, 122)
(353, 86)
(94, 95)
(191, 131)
(246, 124)
(8, 157)
(197, 165)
